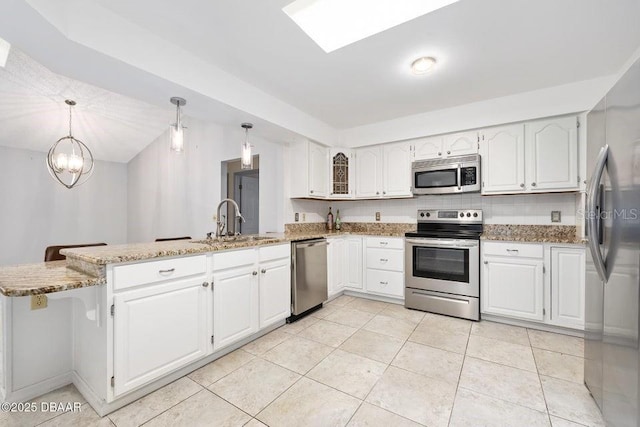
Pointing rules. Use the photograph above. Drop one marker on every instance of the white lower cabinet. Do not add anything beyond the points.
(513, 287)
(353, 263)
(336, 263)
(251, 291)
(158, 329)
(385, 266)
(543, 283)
(567, 287)
(235, 304)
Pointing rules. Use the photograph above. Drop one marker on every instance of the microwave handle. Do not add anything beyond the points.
(459, 176)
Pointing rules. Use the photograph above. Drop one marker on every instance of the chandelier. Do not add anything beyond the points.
(70, 161)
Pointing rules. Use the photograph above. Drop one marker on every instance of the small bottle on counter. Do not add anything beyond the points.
(330, 220)
(338, 220)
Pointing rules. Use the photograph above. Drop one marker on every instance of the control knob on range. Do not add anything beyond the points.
(428, 214)
(475, 214)
(422, 214)
(461, 214)
(468, 214)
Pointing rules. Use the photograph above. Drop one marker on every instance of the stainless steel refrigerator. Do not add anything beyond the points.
(611, 369)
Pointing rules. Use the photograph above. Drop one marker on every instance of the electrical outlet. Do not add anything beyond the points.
(38, 302)
(556, 216)
(377, 216)
(304, 217)
(297, 217)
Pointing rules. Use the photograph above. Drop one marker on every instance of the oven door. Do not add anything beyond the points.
(443, 265)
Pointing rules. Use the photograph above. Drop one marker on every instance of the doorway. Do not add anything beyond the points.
(243, 186)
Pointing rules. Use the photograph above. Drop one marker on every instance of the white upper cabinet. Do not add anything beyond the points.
(396, 170)
(538, 156)
(460, 144)
(427, 148)
(552, 155)
(502, 163)
(369, 172)
(341, 173)
(309, 165)
(317, 170)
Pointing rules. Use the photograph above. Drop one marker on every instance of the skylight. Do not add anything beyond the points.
(333, 24)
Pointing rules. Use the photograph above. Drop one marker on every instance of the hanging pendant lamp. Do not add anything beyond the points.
(69, 160)
(176, 130)
(246, 158)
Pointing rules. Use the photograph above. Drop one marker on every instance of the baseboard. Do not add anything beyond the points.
(533, 325)
(373, 297)
(43, 387)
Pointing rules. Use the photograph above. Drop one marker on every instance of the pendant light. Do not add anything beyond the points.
(176, 130)
(69, 160)
(246, 158)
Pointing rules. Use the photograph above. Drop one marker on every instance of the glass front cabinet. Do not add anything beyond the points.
(341, 164)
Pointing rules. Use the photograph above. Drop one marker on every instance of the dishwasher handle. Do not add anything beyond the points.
(312, 244)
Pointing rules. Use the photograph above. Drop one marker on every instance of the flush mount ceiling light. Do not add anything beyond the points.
(176, 130)
(333, 24)
(69, 160)
(5, 47)
(246, 158)
(423, 65)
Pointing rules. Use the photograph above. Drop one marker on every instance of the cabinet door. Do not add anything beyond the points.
(396, 170)
(353, 263)
(427, 148)
(235, 305)
(340, 173)
(275, 291)
(512, 287)
(158, 329)
(317, 170)
(502, 151)
(459, 144)
(568, 287)
(552, 155)
(368, 172)
(335, 265)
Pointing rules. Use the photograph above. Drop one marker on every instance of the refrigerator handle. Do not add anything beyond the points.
(594, 211)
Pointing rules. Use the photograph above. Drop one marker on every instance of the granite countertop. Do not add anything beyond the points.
(43, 278)
(532, 233)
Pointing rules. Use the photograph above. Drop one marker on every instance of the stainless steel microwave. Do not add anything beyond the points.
(459, 174)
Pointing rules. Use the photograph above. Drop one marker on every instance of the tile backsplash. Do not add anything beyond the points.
(512, 209)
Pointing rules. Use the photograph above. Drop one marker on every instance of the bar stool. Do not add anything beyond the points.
(166, 239)
(52, 253)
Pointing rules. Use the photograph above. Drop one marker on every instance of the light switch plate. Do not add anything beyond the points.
(377, 216)
(556, 216)
(38, 302)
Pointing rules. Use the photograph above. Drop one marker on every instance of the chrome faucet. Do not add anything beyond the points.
(222, 224)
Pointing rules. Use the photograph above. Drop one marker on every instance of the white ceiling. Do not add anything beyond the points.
(245, 60)
(486, 49)
(33, 114)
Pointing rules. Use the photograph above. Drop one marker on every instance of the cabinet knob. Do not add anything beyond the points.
(255, 273)
(384, 192)
(205, 284)
(486, 262)
(377, 193)
(310, 191)
(533, 184)
(439, 153)
(448, 152)
(522, 185)
(264, 270)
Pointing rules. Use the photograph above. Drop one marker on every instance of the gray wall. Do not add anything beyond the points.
(36, 211)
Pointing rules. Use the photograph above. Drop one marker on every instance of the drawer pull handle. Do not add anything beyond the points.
(384, 283)
(512, 250)
(486, 262)
(384, 243)
(168, 271)
(383, 260)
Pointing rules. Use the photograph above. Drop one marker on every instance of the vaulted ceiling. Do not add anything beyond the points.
(246, 60)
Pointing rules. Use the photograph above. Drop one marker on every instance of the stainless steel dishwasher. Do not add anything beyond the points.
(308, 276)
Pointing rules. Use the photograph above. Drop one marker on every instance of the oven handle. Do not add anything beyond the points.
(442, 244)
(456, 300)
(459, 176)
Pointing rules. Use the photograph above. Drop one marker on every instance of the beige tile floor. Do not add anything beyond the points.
(358, 362)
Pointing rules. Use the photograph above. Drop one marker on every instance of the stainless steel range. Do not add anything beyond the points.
(442, 263)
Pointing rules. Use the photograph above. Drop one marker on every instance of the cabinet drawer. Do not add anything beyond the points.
(385, 282)
(512, 249)
(385, 259)
(385, 242)
(268, 253)
(231, 259)
(128, 276)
